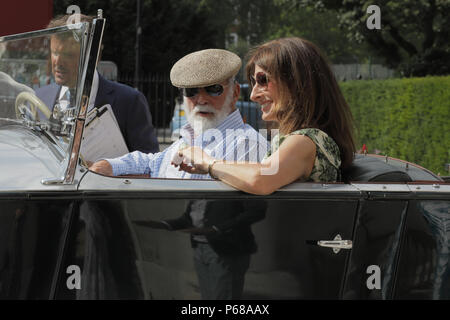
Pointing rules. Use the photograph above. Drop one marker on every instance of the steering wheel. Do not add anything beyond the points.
(31, 107)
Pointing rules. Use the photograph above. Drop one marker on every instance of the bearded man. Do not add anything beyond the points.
(221, 235)
(206, 80)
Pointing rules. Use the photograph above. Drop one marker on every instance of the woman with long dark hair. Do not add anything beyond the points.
(293, 82)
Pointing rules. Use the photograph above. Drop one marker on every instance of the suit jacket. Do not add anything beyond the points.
(232, 219)
(130, 108)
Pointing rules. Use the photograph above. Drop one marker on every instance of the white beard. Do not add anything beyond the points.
(201, 124)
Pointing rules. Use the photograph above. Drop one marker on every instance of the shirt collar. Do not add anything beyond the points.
(62, 93)
(94, 89)
(232, 121)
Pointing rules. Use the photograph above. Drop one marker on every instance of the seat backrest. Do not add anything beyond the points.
(367, 169)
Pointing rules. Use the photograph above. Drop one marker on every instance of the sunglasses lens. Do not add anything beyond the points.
(189, 92)
(214, 90)
(261, 79)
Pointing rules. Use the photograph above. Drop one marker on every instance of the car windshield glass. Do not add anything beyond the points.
(39, 81)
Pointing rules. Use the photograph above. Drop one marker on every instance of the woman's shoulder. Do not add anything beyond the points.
(313, 132)
(317, 135)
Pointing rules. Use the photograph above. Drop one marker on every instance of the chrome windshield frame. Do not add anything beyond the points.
(89, 65)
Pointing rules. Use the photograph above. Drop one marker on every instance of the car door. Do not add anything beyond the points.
(136, 260)
(379, 229)
(400, 248)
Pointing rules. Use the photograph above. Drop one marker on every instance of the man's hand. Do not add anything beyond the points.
(102, 167)
(195, 160)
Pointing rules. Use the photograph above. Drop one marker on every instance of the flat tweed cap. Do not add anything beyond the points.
(204, 68)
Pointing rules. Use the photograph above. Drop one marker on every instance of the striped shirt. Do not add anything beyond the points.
(232, 140)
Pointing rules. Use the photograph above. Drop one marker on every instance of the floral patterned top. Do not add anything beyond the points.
(328, 159)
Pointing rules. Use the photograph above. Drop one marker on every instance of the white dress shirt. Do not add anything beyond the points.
(231, 140)
(63, 99)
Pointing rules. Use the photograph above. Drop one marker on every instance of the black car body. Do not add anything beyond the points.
(382, 234)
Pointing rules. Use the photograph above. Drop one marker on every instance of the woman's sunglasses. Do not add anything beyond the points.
(213, 91)
(261, 79)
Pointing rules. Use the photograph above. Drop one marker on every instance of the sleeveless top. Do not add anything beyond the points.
(328, 161)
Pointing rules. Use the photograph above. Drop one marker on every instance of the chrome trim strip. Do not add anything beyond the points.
(437, 187)
(96, 182)
(381, 187)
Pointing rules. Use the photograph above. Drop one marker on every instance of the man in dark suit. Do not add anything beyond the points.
(130, 107)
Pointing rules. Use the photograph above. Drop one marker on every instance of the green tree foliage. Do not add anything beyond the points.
(170, 29)
(252, 19)
(413, 37)
(403, 118)
(321, 28)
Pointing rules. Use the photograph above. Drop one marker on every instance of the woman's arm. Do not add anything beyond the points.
(293, 160)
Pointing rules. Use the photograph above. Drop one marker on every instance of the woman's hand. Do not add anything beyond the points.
(195, 160)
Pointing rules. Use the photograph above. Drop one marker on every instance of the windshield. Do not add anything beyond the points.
(40, 79)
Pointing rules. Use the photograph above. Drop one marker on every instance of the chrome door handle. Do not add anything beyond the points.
(336, 244)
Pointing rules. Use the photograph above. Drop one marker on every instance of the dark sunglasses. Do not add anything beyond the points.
(261, 79)
(213, 91)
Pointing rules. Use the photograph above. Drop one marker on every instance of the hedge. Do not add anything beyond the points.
(406, 118)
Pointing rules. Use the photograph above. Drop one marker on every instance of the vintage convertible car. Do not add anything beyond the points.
(383, 233)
